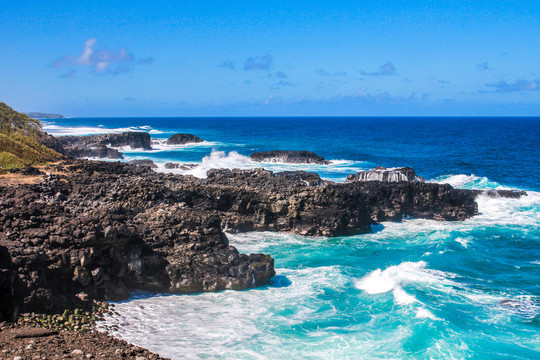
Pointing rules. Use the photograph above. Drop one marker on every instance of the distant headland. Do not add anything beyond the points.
(40, 115)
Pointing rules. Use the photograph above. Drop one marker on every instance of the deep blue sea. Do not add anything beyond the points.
(416, 289)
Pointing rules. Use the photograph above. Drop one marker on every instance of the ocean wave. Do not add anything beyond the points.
(394, 277)
(234, 160)
(58, 130)
(160, 145)
(462, 181)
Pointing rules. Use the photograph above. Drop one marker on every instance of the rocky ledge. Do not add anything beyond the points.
(287, 156)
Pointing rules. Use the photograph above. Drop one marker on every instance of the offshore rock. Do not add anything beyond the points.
(387, 175)
(100, 146)
(288, 156)
(180, 139)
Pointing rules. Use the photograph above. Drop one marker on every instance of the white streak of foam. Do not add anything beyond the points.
(234, 160)
(394, 277)
(472, 181)
(423, 313)
(58, 130)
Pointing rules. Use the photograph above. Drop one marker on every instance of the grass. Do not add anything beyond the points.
(17, 151)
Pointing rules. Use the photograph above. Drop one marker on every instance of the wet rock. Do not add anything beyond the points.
(288, 156)
(144, 162)
(180, 139)
(180, 166)
(386, 175)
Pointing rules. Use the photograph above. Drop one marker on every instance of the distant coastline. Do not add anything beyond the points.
(39, 115)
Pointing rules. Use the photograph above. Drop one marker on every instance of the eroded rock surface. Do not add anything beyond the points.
(387, 175)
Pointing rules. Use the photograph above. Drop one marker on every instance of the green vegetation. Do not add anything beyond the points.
(18, 144)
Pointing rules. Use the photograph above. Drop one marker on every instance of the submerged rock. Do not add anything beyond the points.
(387, 175)
(288, 156)
(180, 139)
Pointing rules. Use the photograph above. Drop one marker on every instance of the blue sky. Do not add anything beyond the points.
(266, 58)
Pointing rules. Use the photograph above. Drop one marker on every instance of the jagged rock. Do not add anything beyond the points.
(9, 307)
(287, 156)
(99, 145)
(180, 139)
(144, 162)
(50, 141)
(387, 175)
(180, 166)
(115, 227)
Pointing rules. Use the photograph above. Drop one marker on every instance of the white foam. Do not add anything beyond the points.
(423, 313)
(472, 181)
(233, 160)
(58, 130)
(394, 277)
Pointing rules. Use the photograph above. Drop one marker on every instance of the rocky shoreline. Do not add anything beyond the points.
(85, 231)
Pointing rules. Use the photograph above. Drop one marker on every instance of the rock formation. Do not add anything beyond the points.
(287, 156)
(387, 175)
(171, 165)
(144, 162)
(180, 139)
(99, 146)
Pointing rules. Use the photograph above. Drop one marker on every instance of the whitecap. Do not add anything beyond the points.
(58, 130)
(472, 181)
(423, 313)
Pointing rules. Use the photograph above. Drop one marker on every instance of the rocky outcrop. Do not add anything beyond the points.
(50, 141)
(386, 175)
(180, 139)
(99, 146)
(287, 156)
(106, 229)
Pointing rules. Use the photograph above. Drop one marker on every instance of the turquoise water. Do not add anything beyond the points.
(414, 289)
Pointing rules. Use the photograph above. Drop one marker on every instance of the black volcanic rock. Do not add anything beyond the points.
(386, 175)
(99, 146)
(171, 165)
(180, 139)
(106, 228)
(144, 162)
(288, 156)
(9, 307)
(50, 141)
(99, 152)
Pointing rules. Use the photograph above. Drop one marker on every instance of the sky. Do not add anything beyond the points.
(271, 58)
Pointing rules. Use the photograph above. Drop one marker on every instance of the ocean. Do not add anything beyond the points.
(415, 289)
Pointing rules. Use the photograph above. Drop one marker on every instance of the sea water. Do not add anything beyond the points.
(412, 289)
